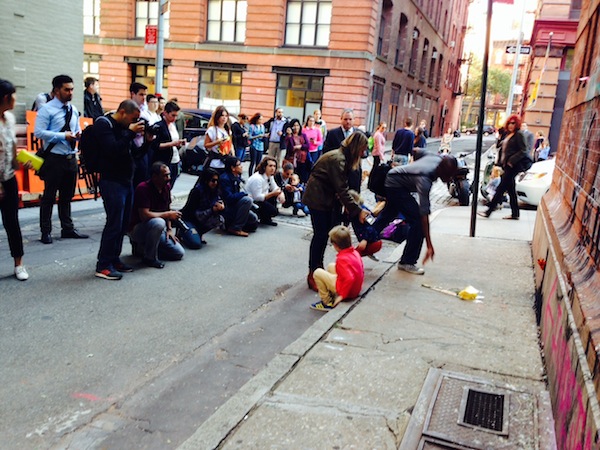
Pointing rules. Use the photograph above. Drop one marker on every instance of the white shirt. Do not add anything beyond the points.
(216, 133)
(175, 137)
(7, 146)
(259, 185)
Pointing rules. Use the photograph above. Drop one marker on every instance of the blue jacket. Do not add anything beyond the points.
(229, 188)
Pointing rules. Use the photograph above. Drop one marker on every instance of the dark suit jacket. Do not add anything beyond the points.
(333, 140)
(163, 155)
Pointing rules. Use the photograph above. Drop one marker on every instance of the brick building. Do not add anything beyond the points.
(566, 245)
(554, 33)
(387, 59)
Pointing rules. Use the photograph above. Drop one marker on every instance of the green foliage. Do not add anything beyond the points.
(498, 80)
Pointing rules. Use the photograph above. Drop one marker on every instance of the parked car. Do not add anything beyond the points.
(196, 122)
(487, 130)
(533, 184)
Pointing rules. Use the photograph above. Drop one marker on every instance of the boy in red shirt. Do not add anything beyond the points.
(343, 279)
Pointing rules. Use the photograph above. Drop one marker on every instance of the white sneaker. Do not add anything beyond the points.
(21, 273)
(411, 268)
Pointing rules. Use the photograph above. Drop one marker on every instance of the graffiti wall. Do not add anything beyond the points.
(566, 247)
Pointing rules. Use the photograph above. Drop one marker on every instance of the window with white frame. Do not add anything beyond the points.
(91, 17)
(227, 21)
(308, 23)
(91, 66)
(146, 13)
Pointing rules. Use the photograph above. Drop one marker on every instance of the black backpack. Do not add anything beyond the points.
(377, 176)
(90, 154)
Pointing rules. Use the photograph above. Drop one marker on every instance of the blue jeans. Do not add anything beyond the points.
(240, 216)
(152, 235)
(315, 155)
(240, 153)
(322, 222)
(117, 199)
(399, 200)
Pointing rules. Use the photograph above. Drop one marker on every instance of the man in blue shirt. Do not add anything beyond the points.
(57, 124)
(403, 143)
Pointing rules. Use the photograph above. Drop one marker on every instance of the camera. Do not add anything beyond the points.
(150, 129)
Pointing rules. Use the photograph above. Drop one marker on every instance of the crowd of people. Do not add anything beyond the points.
(304, 166)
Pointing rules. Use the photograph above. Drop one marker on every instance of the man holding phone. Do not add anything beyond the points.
(57, 124)
(169, 141)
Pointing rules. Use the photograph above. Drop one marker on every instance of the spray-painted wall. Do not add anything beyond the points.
(566, 247)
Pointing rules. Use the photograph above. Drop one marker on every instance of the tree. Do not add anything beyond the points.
(498, 82)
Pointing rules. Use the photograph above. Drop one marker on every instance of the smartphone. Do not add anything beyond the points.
(370, 219)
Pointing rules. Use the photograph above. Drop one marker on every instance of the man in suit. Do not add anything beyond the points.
(334, 140)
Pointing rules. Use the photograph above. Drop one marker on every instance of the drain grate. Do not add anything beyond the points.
(483, 410)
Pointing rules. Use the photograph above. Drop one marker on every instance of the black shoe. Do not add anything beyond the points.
(123, 268)
(46, 238)
(269, 222)
(73, 234)
(484, 213)
(156, 263)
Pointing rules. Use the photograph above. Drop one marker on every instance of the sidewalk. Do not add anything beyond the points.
(355, 379)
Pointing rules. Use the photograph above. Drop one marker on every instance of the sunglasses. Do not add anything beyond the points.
(214, 180)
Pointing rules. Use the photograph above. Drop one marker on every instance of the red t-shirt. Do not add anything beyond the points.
(350, 273)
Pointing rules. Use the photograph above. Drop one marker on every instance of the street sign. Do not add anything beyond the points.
(512, 49)
(151, 37)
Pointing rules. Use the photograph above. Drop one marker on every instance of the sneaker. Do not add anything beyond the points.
(373, 257)
(21, 273)
(109, 274)
(411, 268)
(123, 268)
(320, 306)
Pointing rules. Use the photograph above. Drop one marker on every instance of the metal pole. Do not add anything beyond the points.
(160, 44)
(513, 81)
(484, 76)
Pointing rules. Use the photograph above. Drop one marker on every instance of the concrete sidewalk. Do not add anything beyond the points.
(361, 373)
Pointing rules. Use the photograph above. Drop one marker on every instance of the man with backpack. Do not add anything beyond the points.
(112, 146)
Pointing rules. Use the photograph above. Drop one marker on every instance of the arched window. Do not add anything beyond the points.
(414, 53)
(401, 43)
(424, 60)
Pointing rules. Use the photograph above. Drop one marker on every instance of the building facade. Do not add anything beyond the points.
(553, 46)
(386, 59)
(39, 40)
(566, 244)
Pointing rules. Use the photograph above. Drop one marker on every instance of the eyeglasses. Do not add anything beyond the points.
(214, 180)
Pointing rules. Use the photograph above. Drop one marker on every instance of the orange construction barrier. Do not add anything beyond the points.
(31, 187)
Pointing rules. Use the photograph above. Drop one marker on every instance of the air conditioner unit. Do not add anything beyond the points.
(434, 55)
(425, 47)
(415, 34)
(452, 44)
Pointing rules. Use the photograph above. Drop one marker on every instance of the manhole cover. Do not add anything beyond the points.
(458, 411)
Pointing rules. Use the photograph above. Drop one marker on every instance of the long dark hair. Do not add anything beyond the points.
(353, 147)
(207, 175)
(294, 122)
(218, 112)
(6, 89)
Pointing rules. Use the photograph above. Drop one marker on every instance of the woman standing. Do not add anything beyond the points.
(315, 138)
(296, 144)
(257, 143)
(446, 143)
(239, 130)
(9, 190)
(513, 158)
(328, 187)
(217, 139)
(379, 144)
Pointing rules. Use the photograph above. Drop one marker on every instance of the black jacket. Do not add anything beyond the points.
(163, 155)
(92, 105)
(116, 162)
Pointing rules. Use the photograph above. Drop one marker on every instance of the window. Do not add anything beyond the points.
(575, 11)
(376, 100)
(146, 74)
(308, 23)
(220, 86)
(414, 53)
(394, 103)
(434, 55)
(383, 40)
(146, 13)
(408, 99)
(91, 66)
(227, 20)
(438, 78)
(401, 42)
(91, 17)
(424, 60)
(299, 93)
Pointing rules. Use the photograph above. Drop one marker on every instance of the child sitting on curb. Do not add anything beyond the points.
(343, 279)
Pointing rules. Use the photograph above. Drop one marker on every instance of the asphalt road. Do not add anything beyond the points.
(142, 362)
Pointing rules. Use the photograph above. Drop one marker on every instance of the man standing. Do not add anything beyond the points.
(529, 139)
(57, 124)
(276, 129)
(115, 134)
(403, 143)
(400, 183)
(334, 140)
(92, 103)
(151, 226)
(335, 136)
(141, 159)
(168, 141)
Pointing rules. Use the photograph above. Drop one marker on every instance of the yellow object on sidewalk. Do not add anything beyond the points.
(468, 293)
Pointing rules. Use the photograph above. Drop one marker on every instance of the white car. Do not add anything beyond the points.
(533, 184)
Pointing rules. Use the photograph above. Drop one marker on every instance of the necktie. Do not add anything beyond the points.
(346, 133)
